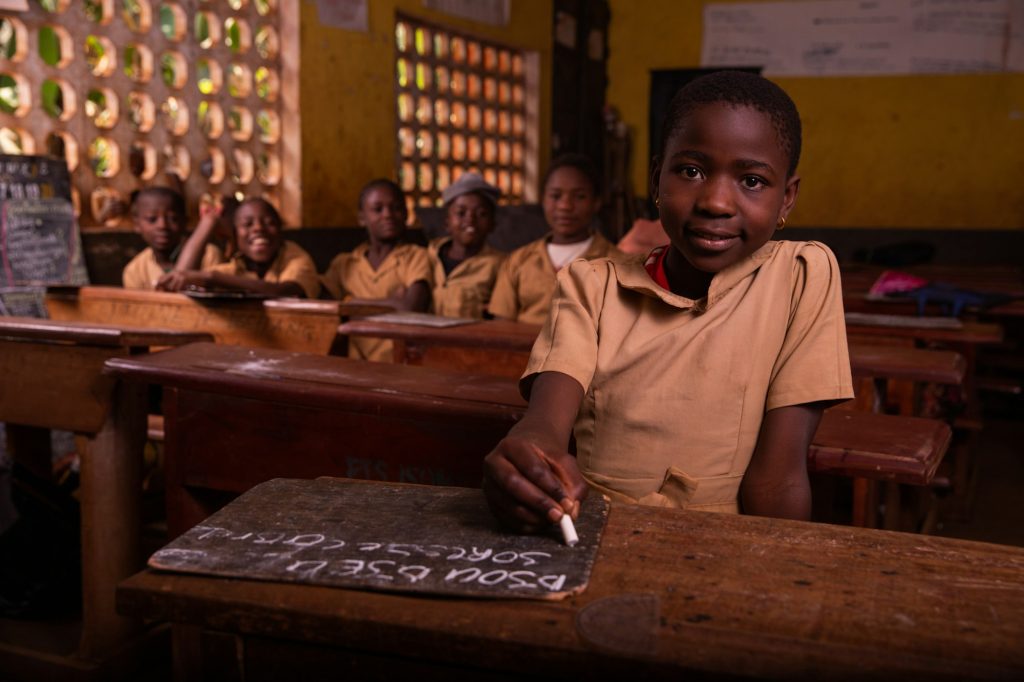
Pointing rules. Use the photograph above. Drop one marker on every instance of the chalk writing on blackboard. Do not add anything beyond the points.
(384, 537)
(39, 239)
(39, 243)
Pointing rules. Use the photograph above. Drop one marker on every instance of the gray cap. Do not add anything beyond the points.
(470, 182)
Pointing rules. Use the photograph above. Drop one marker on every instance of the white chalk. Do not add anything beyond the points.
(568, 530)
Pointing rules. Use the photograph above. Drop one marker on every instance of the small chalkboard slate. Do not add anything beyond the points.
(384, 536)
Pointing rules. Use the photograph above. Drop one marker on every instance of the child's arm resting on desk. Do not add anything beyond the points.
(775, 483)
(205, 279)
(530, 479)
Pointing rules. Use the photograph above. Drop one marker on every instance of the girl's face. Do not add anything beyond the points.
(258, 232)
(383, 214)
(156, 219)
(722, 185)
(570, 205)
(470, 220)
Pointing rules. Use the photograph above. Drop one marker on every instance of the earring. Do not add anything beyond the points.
(657, 202)
(781, 225)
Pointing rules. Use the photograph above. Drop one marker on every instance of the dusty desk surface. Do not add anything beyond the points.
(670, 591)
(314, 380)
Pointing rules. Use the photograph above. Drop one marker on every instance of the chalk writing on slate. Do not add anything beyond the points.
(381, 536)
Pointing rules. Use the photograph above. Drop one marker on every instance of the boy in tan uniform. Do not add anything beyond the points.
(526, 281)
(464, 266)
(384, 269)
(700, 373)
(158, 214)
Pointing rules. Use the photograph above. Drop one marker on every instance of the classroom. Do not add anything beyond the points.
(506, 339)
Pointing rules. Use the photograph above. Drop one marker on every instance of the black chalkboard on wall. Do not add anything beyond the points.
(384, 536)
(39, 239)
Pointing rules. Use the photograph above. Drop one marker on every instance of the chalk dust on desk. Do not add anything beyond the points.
(263, 367)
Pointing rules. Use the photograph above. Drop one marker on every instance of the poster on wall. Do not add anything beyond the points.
(855, 38)
(39, 239)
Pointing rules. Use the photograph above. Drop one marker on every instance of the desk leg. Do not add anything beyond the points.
(111, 485)
(864, 503)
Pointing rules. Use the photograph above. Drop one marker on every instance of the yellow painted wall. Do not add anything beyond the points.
(906, 151)
(348, 99)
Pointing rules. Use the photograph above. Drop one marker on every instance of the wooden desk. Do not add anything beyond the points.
(236, 417)
(52, 379)
(672, 592)
(502, 348)
(498, 347)
(1007, 280)
(288, 324)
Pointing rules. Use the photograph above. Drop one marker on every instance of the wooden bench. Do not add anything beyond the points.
(967, 340)
(673, 595)
(288, 324)
(236, 417)
(53, 379)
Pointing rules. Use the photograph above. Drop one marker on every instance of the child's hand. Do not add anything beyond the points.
(210, 210)
(529, 485)
(176, 281)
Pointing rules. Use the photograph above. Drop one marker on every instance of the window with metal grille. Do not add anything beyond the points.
(461, 105)
(127, 91)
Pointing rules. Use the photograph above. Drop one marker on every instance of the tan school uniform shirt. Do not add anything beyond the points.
(526, 281)
(143, 271)
(351, 275)
(676, 389)
(292, 264)
(465, 291)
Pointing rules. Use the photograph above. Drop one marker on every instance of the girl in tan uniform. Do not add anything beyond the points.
(699, 373)
(464, 265)
(265, 262)
(385, 269)
(526, 280)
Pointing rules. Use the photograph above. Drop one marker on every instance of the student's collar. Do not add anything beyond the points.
(631, 274)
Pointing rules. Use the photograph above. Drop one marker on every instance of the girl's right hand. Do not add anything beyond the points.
(529, 485)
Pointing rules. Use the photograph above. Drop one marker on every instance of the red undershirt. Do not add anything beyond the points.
(655, 266)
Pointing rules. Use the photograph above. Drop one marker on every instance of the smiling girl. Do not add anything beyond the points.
(526, 281)
(265, 262)
(700, 372)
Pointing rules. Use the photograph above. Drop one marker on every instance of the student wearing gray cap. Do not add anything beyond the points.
(464, 265)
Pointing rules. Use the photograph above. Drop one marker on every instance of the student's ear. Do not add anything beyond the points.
(789, 198)
(655, 178)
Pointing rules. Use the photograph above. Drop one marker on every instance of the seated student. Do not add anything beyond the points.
(158, 214)
(526, 281)
(464, 265)
(384, 269)
(699, 373)
(265, 263)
